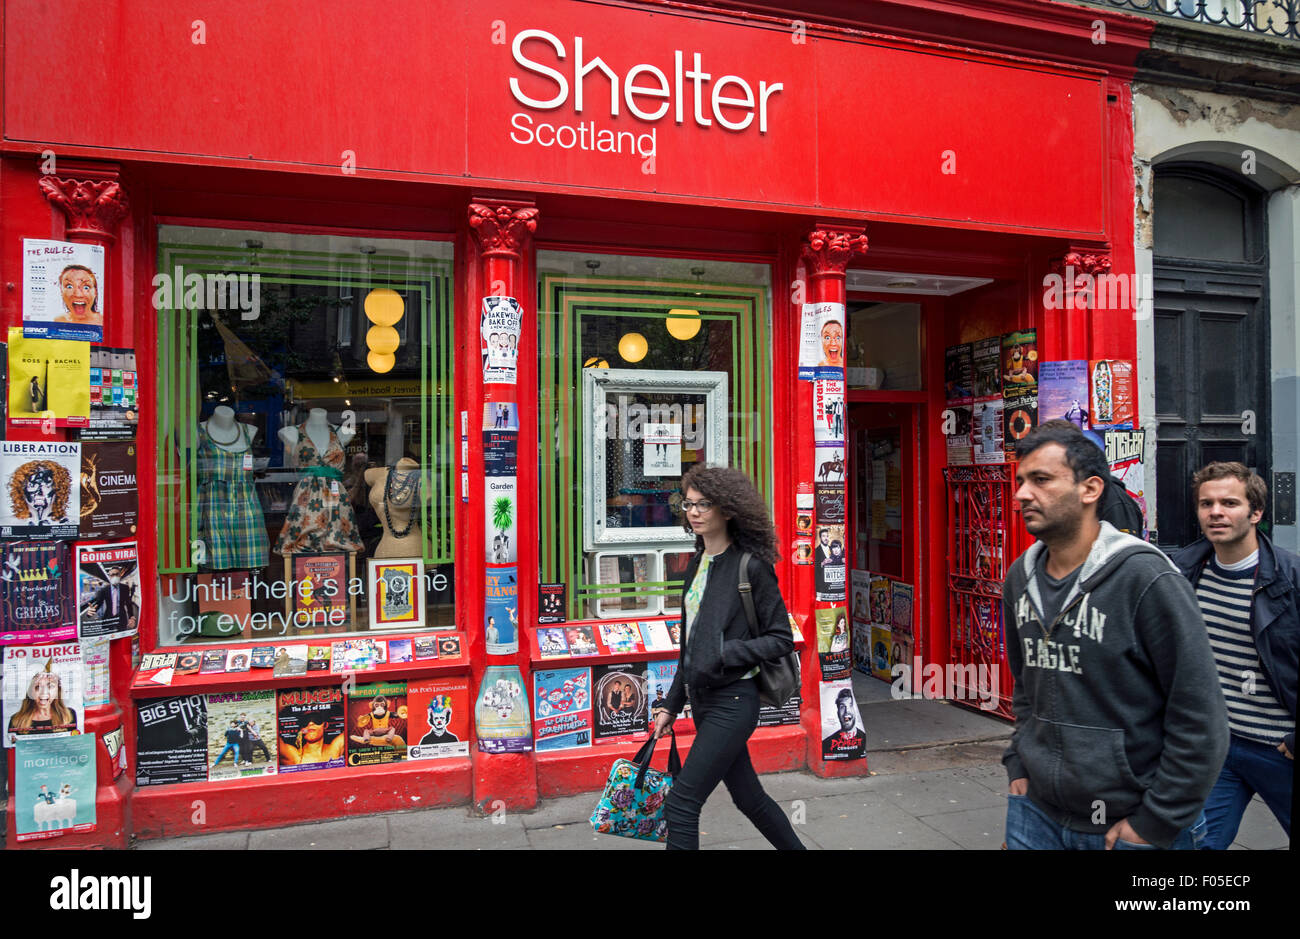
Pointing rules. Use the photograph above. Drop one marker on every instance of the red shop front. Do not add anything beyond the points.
(426, 337)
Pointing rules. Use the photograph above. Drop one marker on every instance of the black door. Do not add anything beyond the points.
(1211, 335)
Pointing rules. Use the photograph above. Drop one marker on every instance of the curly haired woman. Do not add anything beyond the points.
(720, 654)
(38, 492)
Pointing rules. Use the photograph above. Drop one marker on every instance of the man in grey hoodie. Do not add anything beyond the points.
(1120, 729)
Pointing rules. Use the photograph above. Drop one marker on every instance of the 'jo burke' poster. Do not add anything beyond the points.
(43, 691)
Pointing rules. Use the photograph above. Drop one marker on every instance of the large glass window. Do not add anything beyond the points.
(647, 367)
(305, 434)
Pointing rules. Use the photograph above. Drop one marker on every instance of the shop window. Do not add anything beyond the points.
(884, 346)
(648, 366)
(305, 434)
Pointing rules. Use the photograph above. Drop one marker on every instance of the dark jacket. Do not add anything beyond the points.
(1118, 708)
(718, 648)
(1274, 614)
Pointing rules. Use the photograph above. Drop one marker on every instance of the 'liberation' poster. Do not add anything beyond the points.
(36, 593)
(311, 729)
(562, 708)
(108, 584)
(110, 500)
(41, 494)
(63, 290)
(500, 324)
(54, 786)
(171, 740)
(43, 691)
(438, 709)
(501, 712)
(842, 734)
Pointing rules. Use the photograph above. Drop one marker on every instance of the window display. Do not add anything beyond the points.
(305, 430)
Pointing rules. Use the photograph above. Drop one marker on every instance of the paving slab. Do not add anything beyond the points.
(855, 822)
(982, 829)
(565, 810)
(218, 841)
(582, 838)
(786, 787)
(992, 777)
(354, 834)
(457, 829)
(1260, 830)
(923, 794)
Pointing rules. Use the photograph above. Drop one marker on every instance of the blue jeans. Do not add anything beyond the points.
(1251, 767)
(724, 719)
(222, 756)
(1030, 829)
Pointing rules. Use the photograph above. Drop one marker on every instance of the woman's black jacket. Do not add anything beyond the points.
(719, 647)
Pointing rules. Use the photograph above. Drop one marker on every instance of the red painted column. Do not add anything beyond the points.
(92, 205)
(500, 262)
(824, 258)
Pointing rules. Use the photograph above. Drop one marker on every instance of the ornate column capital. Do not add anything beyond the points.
(91, 198)
(504, 228)
(829, 250)
(1077, 271)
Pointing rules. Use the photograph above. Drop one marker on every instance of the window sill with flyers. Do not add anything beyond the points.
(583, 642)
(285, 665)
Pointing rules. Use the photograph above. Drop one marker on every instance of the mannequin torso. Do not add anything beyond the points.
(394, 495)
(318, 430)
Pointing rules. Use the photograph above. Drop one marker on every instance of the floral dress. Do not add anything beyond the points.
(320, 517)
(230, 519)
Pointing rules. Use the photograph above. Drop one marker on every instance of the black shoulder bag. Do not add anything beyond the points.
(779, 678)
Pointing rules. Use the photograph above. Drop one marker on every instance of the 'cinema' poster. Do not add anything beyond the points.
(41, 494)
(110, 500)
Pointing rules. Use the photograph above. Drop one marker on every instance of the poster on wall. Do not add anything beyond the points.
(501, 513)
(842, 734)
(110, 501)
(396, 588)
(620, 699)
(860, 596)
(882, 637)
(1126, 455)
(987, 432)
(54, 786)
(311, 729)
(43, 691)
(833, 653)
(1019, 363)
(41, 495)
(957, 433)
(661, 450)
(828, 463)
(958, 374)
(377, 723)
(1063, 392)
(562, 718)
(1111, 399)
(821, 341)
(500, 415)
(240, 726)
(114, 395)
(108, 590)
(501, 712)
(500, 453)
(438, 711)
(552, 603)
(36, 593)
(659, 677)
(501, 610)
(986, 360)
(787, 715)
(1019, 416)
(499, 327)
(830, 504)
(49, 381)
(901, 596)
(171, 740)
(831, 570)
(63, 294)
(828, 410)
(94, 661)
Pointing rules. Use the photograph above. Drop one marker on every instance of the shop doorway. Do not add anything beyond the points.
(882, 499)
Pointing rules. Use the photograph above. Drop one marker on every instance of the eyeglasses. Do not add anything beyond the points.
(704, 505)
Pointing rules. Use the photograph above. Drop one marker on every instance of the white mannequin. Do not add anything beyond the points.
(228, 434)
(318, 431)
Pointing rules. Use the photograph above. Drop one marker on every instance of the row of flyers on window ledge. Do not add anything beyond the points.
(577, 640)
(61, 490)
(261, 732)
(292, 660)
(58, 383)
(50, 593)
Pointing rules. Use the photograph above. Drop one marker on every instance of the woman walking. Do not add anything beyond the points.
(721, 654)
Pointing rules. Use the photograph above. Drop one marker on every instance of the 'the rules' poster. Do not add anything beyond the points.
(63, 290)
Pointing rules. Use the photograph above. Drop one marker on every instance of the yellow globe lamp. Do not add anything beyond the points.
(382, 339)
(683, 324)
(595, 362)
(380, 363)
(384, 306)
(633, 347)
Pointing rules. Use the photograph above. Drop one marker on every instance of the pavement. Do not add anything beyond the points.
(937, 783)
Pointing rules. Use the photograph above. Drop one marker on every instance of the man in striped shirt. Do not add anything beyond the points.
(1248, 590)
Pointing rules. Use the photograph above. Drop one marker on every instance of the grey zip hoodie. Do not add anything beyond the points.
(1117, 702)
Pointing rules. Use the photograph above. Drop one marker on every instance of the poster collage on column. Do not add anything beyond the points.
(69, 564)
(821, 539)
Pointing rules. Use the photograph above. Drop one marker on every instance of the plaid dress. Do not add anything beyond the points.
(320, 516)
(230, 514)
